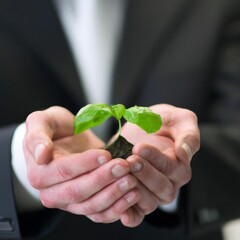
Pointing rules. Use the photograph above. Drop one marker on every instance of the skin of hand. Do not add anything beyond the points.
(74, 175)
(161, 161)
(73, 172)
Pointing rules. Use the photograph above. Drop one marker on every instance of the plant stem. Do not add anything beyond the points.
(119, 127)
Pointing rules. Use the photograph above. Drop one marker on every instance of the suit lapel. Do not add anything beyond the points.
(37, 24)
(147, 28)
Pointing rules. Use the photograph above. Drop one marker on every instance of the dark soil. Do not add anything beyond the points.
(121, 148)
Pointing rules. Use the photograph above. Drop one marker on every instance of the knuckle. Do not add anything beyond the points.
(190, 114)
(186, 177)
(87, 209)
(96, 218)
(167, 198)
(165, 189)
(45, 199)
(30, 135)
(64, 172)
(149, 207)
(32, 117)
(116, 212)
(35, 180)
(95, 180)
(112, 196)
(102, 218)
(170, 198)
(46, 203)
(166, 168)
(152, 207)
(195, 141)
(167, 194)
(193, 115)
(72, 195)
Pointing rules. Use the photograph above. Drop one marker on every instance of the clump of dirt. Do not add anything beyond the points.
(120, 148)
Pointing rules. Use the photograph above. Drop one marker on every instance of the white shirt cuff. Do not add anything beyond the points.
(27, 197)
(171, 207)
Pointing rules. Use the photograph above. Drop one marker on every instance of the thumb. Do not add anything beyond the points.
(187, 145)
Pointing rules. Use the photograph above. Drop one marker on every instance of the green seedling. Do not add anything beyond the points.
(93, 115)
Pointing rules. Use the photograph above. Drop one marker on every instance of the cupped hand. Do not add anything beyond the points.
(72, 172)
(161, 161)
(50, 135)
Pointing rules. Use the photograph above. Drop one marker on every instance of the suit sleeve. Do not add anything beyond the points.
(13, 224)
(213, 195)
(9, 228)
(215, 191)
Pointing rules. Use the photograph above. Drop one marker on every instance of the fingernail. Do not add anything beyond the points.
(145, 153)
(102, 160)
(38, 151)
(136, 167)
(119, 171)
(123, 186)
(130, 197)
(188, 151)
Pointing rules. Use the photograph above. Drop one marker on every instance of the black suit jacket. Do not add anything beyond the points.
(185, 53)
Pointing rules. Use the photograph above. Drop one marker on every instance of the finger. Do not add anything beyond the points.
(148, 202)
(152, 178)
(55, 120)
(182, 126)
(104, 199)
(37, 147)
(187, 144)
(132, 217)
(45, 126)
(162, 161)
(66, 168)
(186, 135)
(179, 173)
(114, 212)
(77, 143)
(85, 186)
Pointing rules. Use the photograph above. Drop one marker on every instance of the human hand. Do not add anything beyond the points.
(71, 172)
(50, 135)
(60, 179)
(161, 161)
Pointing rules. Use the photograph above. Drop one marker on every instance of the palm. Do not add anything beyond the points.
(76, 144)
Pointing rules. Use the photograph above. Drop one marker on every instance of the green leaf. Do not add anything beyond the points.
(118, 111)
(91, 116)
(144, 117)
